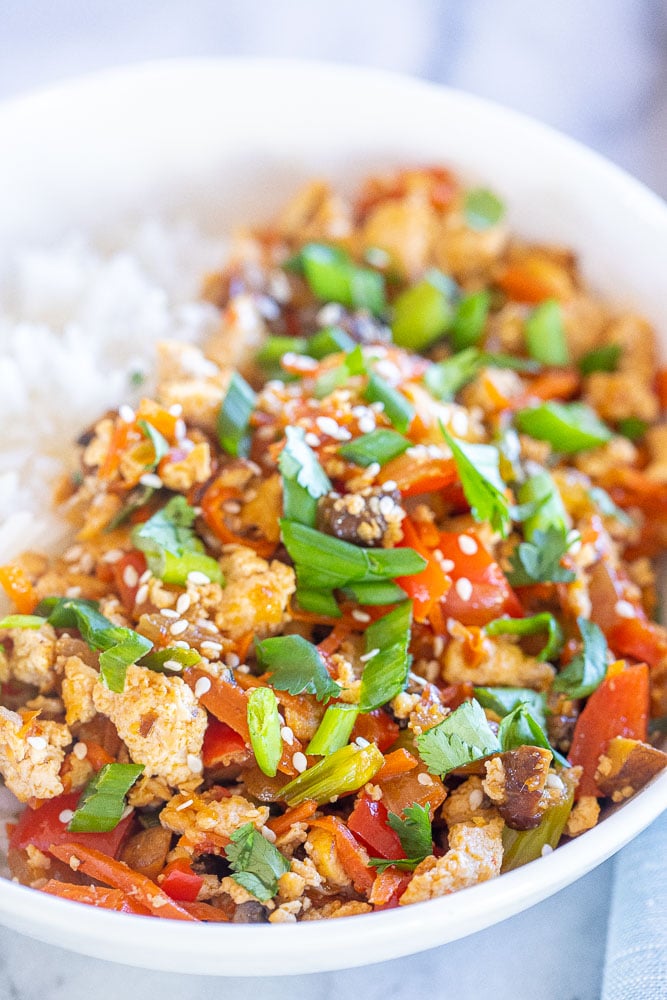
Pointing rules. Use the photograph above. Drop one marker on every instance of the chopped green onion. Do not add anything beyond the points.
(372, 594)
(522, 846)
(377, 446)
(478, 466)
(334, 378)
(470, 320)
(510, 361)
(264, 729)
(520, 729)
(171, 547)
(22, 621)
(550, 511)
(444, 378)
(386, 672)
(632, 428)
(256, 864)
(422, 315)
(503, 700)
(304, 479)
(544, 622)
(120, 646)
(234, 417)
(102, 801)
(317, 600)
(391, 628)
(296, 666)
(603, 359)
(587, 670)
(333, 277)
(397, 408)
(545, 334)
(482, 208)
(273, 349)
(330, 340)
(343, 771)
(172, 658)
(334, 730)
(567, 427)
(160, 444)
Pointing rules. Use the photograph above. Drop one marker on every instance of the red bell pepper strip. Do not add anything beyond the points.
(428, 586)
(377, 727)
(619, 707)
(414, 477)
(642, 640)
(368, 821)
(221, 744)
(491, 595)
(135, 561)
(388, 888)
(43, 826)
(180, 882)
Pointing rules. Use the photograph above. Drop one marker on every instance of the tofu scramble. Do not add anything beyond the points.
(359, 611)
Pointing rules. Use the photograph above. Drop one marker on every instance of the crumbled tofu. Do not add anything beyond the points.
(503, 665)
(321, 849)
(656, 442)
(148, 791)
(405, 229)
(256, 594)
(286, 913)
(403, 704)
(464, 252)
(237, 892)
(240, 334)
(195, 467)
(192, 815)
(467, 802)
(32, 655)
(295, 837)
(188, 379)
(475, 854)
(584, 816)
(77, 690)
(159, 720)
(329, 911)
(31, 757)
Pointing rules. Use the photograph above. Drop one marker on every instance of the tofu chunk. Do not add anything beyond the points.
(503, 665)
(256, 594)
(32, 655)
(31, 756)
(194, 816)
(78, 683)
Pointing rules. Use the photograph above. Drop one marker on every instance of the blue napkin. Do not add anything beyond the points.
(636, 961)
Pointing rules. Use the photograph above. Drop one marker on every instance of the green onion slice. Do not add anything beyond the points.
(22, 621)
(264, 729)
(444, 378)
(470, 320)
(173, 658)
(482, 208)
(377, 446)
(234, 417)
(333, 277)
(544, 622)
(422, 315)
(396, 407)
(102, 802)
(334, 730)
(343, 771)
(330, 340)
(545, 334)
(567, 427)
(602, 359)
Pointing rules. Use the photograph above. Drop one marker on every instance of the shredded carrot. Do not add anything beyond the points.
(297, 814)
(397, 762)
(97, 756)
(535, 279)
(15, 583)
(351, 854)
(212, 508)
(560, 383)
(120, 876)
(95, 895)
(389, 885)
(205, 912)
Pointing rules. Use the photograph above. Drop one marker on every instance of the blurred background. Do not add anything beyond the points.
(596, 69)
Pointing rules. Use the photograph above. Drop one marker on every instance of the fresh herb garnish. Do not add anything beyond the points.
(296, 666)
(234, 417)
(479, 472)
(256, 864)
(443, 379)
(333, 277)
(482, 208)
(171, 547)
(416, 837)
(503, 700)
(602, 359)
(353, 364)
(386, 673)
(264, 729)
(519, 729)
(544, 622)
(377, 446)
(545, 334)
(397, 408)
(160, 443)
(422, 314)
(549, 510)
(103, 801)
(341, 772)
(538, 561)
(587, 670)
(470, 320)
(304, 479)
(334, 730)
(119, 646)
(567, 427)
(461, 738)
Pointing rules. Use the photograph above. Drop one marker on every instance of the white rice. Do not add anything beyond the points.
(78, 325)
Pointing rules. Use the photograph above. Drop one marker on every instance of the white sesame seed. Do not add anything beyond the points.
(360, 616)
(468, 545)
(463, 588)
(37, 742)
(438, 646)
(183, 604)
(287, 735)
(369, 656)
(150, 479)
(424, 779)
(194, 763)
(188, 802)
(113, 555)
(302, 361)
(554, 781)
(328, 426)
(198, 578)
(390, 485)
(181, 644)
(625, 610)
(214, 647)
(180, 430)
(73, 592)
(388, 370)
(206, 626)
(475, 798)
(329, 314)
(202, 686)
(65, 816)
(446, 565)
(546, 849)
(80, 751)
(386, 505)
(232, 506)
(126, 811)
(459, 422)
(145, 576)
(126, 414)
(175, 410)
(73, 553)
(299, 762)
(367, 424)
(169, 613)
(232, 660)
(416, 679)
(172, 665)
(268, 834)
(312, 440)
(377, 257)
(179, 627)
(130, 576)
(141, 594)
(372, 470)
(361, 742)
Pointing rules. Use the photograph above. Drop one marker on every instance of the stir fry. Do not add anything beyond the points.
(359, 608)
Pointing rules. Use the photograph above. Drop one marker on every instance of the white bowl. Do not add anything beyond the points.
(228, 141)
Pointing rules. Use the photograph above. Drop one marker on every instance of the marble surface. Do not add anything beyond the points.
(596, 70)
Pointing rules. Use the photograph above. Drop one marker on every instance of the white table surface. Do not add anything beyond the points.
(595, 70)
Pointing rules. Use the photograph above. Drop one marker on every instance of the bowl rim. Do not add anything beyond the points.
(288, 948)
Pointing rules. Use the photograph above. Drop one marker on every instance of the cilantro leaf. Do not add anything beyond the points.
(171, 547)
(587, 670)
(160, 444)
(461, 738)
(256, 864)
(304, 479)
(606, 506)
(519, 729)
(296, 666)
(538, 561)
(414, 832)
(478, 467)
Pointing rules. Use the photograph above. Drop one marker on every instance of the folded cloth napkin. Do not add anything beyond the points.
(636, 960)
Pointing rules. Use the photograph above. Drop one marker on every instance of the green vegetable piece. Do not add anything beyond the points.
(530, 626)
(173, 658)
(482, 208)
(545, 334)
(603, 359)
(160, 443)
(22, 621)
(587, 670)
(385, 675)
(330, 340)
(343, 771)
(264, 729)
(334, 730)
(516, 364)
(461, 738)
(391, 628)
(333, 277)
(382, 592)
(377, 446)
(274, 348)
(539, 561)
(234, 417)
(520, 729)
(136, 499)
(567, 427)
(416, 837)
(470, 320)
(103, 801)
(296, 666)
(396, 407)
(256, 864)
(606, 506)
(522, 846)
(478, 467)
(633, 428)
(120, 646)
(444, 378)
(334, 378)
(422, 315)
(304, 479)
(550, 511)
(171, 547)
(317, 600)
(503, 700)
